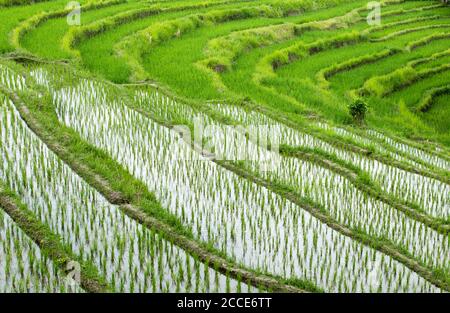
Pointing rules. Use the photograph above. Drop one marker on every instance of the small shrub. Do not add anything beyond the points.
(358, 110)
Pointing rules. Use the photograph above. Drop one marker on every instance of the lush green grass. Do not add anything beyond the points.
(239, 80)
(18, 2)
(45, 40)
(297, 80)
(98, 52)
(438, 114)
(355, 77)
(311, 65)
(176, 68)
(11, 16)
(178, 71)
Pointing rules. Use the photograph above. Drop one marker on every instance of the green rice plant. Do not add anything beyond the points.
(34, 21)
(78, 213)
(184, 74)
(9, 79)
(46, 40)
(283, 57)
(342, 209)
(133, 47)
(23, 267)
(428, 61)
(427, 101)
(406, 22)
(408, 30)
(221, 51)
(7, 3)
(324, 75)
(383, 85)
(414, 164)
(436, 115)
(418, 59)
(221, 199)
(400, 183)
(413, 150)
(98, 52)
(290, 89)
(409, 152)
(13, 15)
(75, 35)
(272, 62)
(425, 40)
(95, 22)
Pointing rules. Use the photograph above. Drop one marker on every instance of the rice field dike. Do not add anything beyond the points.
(226, 152)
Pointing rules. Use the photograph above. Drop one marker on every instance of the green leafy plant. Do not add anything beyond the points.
(358, 110)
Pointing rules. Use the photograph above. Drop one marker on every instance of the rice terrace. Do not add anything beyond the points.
(224, 146)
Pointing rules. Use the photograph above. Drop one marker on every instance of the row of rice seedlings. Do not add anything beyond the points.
(220, 52)
(164, 108)
(40, 77)
(23, 267)
(426, 102)
(253, 117)
(251, 224)
(372, 216)
(430, 159)
(132, 47)
(168, 109)
(430, 194)
(131, 257)
(368, 142)
(9, 79)
(413, 151)
(351, 207)
(336, 194)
